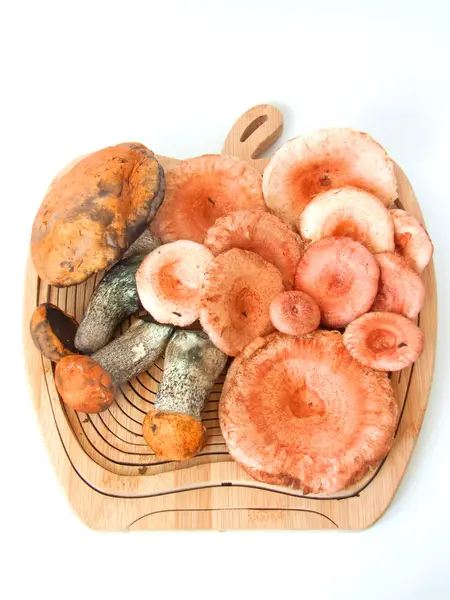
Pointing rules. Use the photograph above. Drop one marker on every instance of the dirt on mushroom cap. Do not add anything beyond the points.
(202, 189)
(259, 232)
(237, 291)
(94, 212)
(169, 281)
(83, 384)
(294, 313)
(341, 275)
(384, 341)
(351, 213)
(401, 289)
(301, 412)
(411, 240)
(324, 160)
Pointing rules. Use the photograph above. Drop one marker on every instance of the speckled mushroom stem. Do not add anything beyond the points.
(191, 366)
(173, 429)
(135, 351)
(115, 299)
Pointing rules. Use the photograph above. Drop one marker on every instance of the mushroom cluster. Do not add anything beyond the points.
(307, 277)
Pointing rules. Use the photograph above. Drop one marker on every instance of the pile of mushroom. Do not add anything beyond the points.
(266, 270)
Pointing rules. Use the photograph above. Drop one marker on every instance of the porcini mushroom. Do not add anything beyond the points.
(192, 364)
(301, 412)
(53, 332)
(113, 300)
(88, 383)
(94, 212)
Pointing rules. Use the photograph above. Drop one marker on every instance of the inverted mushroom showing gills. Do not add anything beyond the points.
(237, 291)
(115, 299)
(192, 364)
(259, 232)
(202, 189)
(411, 240)
(53, 332)
(384, 341)
(301, 412)
(169, 281)
(94, 212)
(88, 383)
(351, 213)
(341, 275)
(324, 160)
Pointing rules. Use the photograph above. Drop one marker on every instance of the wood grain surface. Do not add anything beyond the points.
(115, 482)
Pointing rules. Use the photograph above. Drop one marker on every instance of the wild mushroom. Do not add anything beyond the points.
(53, 332)
(88, 383)
(324, 160)
(192, 364)
(94, 212)
(113, 300)
(202, 189)
(301, 412)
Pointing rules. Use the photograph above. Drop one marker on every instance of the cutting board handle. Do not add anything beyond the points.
(253, 133)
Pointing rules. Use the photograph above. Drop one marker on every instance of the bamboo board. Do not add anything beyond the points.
(115, 482)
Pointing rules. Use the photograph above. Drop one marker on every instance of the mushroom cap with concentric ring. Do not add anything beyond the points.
(301, 412)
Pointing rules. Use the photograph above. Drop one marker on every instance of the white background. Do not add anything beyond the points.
(175, 76)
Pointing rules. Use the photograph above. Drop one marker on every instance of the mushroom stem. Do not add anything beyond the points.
(115, 299)
(88, 383)
(135, 351)
(192, 364)
(191, 367)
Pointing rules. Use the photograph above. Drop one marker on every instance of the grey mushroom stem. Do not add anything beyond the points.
(135, 351)
(192, 365)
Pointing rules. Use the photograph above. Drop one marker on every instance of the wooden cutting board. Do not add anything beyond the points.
(114, 481)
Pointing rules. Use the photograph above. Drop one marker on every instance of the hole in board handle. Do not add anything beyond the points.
(252, 127)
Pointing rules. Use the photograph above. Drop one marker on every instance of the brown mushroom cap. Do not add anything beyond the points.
(83, 384)
(174, 436)
(94, 212)
(53, 332)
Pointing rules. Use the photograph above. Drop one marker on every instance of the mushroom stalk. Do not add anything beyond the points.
(88, 383)
(135, 351)
(192, 364)
(115, 299)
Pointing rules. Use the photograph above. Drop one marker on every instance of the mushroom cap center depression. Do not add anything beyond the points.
(178, 282)
(337, 281)
(381, 340)
(247, 304)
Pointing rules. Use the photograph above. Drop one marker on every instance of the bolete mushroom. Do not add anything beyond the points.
(53, 331)
(114, 299)
(192, 364)
(94, 212)
(88, 383)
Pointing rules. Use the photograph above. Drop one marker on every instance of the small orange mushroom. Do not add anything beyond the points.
(294, 313)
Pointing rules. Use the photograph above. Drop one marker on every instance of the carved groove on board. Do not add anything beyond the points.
(212, 510)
